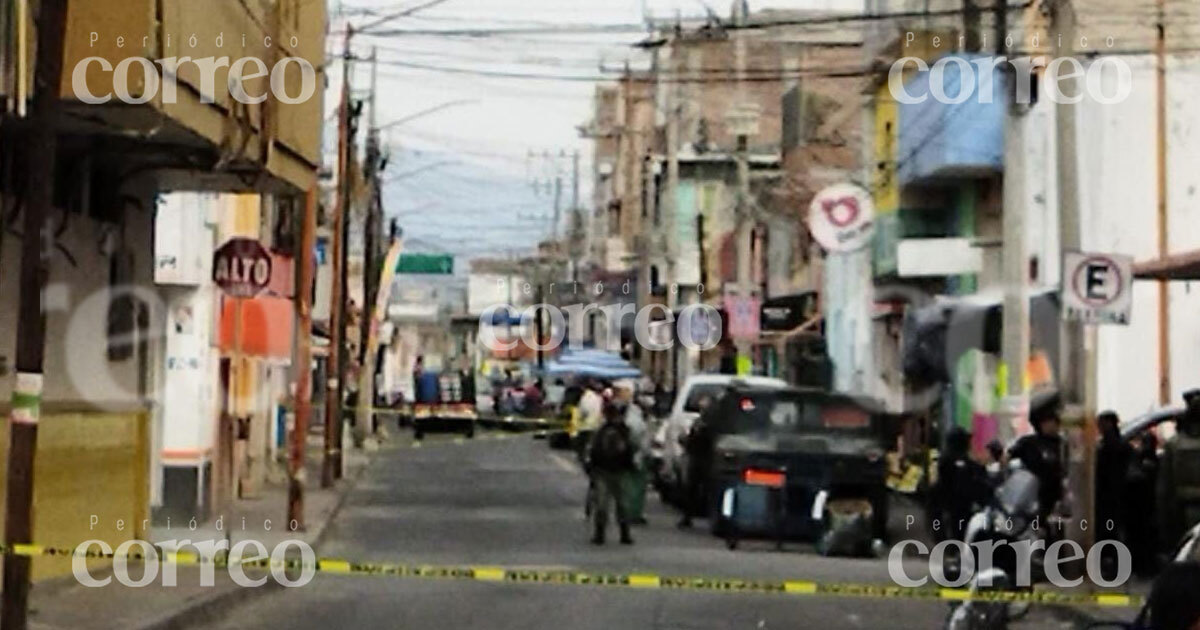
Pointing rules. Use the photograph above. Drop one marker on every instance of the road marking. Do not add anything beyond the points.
(564, 463)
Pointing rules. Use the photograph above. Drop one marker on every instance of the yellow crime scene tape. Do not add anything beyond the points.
(567, 577)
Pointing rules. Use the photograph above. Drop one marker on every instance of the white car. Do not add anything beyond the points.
(667, 447)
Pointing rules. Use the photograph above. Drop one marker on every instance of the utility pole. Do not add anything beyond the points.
(41, 129)
(331, 464)
(1164, 306)
(557, 203)
(575, 239)
(1015, 315)
(1074, 378)
(303, 366)
(745, 224)
(970, 17)
(670, 210)
(372, 226)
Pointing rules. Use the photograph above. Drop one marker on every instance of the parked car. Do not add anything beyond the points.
(666, 450)
(821, 453)
(1155, 420)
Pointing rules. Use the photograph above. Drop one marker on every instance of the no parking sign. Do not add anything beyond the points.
(1097, 288)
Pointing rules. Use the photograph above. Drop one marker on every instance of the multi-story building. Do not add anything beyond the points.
(130, 130)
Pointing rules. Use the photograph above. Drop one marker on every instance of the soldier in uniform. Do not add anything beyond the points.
(1179, 474)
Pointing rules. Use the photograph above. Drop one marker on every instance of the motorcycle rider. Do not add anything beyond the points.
(1179, 474)
(1043, 451)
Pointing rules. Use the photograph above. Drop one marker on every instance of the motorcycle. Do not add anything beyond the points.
(1010, 517)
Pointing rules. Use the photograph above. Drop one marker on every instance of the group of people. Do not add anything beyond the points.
(613, 442)
(1142, 499)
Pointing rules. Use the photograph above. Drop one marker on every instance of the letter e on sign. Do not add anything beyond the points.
(1097, 288)
(241, 267)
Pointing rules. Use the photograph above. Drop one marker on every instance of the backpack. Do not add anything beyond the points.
(611, 447)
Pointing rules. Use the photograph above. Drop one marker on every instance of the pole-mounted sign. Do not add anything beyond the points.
(842, 218)
(1097, 288)
(242, 267)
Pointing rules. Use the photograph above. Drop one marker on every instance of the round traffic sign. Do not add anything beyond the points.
(242, 267)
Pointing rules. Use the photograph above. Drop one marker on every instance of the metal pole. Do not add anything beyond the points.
(1164, 309)
(333, 385)
(42, 134)
(303, 366)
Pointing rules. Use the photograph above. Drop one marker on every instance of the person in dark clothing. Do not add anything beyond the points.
(1179, 475)
(466, 381)
(1042, 453)
(1112, 468)
(962, 484)
(417, 371)
(610, 462)
(1173, 601)
(698, 444)
(1141, 529)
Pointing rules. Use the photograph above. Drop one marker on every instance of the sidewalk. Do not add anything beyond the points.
(63, 604)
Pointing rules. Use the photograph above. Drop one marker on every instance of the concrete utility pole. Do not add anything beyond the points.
(1074, 379)
(745, 206)
(575, 238)
(1015, 328)
(669, 207)
(331, 464)
(302, 369)
(372, 226)
(41, 130)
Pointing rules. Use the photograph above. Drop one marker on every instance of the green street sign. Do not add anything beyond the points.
(440, 264)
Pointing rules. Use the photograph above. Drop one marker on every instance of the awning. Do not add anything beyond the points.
(1185, 266)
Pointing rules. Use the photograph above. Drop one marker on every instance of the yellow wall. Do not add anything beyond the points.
(87, 463)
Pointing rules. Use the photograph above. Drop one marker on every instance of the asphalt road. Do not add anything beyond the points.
(515, 503)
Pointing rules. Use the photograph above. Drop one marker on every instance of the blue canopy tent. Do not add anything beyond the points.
(592, 364)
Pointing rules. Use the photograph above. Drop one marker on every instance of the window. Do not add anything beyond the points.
(699, 393)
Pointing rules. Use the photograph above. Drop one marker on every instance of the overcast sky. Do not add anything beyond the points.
(473, 178)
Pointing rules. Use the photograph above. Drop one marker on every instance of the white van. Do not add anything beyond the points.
(667, 448)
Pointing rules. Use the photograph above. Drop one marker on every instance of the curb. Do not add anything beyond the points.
(204, 611)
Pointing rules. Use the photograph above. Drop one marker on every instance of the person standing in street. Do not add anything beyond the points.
(699, 446)
(1113, 458)
(1179, 474)
(962, 484)
(610, 458)
(1141, 513)
(636, 421)
(466, 380)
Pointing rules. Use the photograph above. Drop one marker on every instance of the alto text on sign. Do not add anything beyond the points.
(242, 267)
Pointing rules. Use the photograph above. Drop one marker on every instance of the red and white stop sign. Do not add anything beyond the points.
(241, 267)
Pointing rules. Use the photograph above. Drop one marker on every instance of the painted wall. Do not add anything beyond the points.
(77, 366)
(1118, 197)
